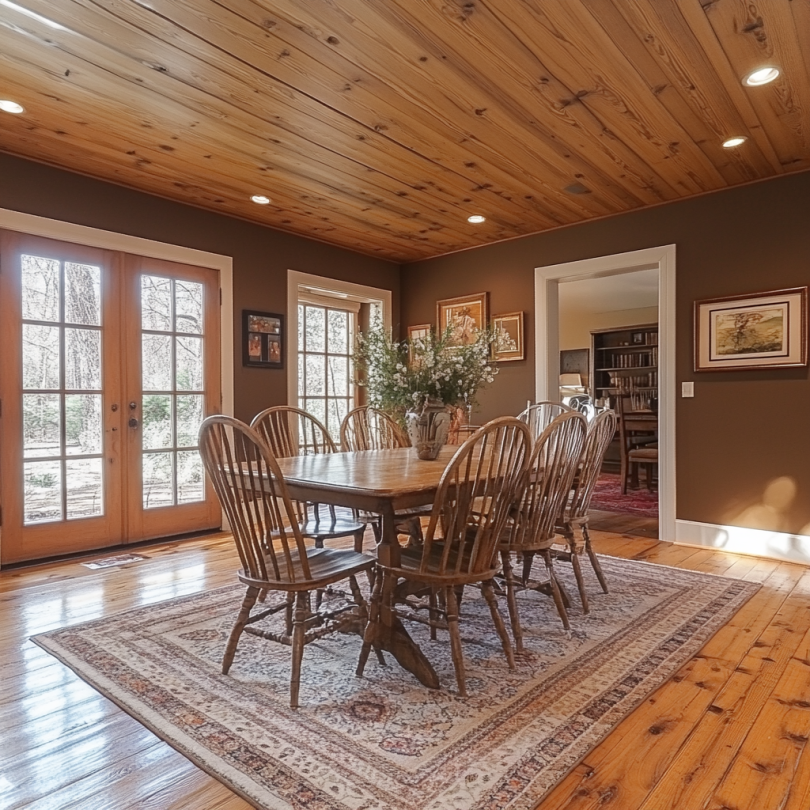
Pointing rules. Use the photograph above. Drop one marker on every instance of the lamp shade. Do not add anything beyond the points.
(570, 380)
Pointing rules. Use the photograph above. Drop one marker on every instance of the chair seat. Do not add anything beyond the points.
(648, 454)
(326, 565)
(411, 560)
(326, 528)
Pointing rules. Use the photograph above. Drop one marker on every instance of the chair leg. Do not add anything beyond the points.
(624, 473)
(492, 601)
(288, 614)
(358, 540)
(528, 559)
(511, 600)
(433, 612)
(555, 590)
(455, 640)
(583, 594)
(301, 611)
(594, 559)
(372, 627)
(241, 620)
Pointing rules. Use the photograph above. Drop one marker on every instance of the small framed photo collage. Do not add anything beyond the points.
(262, 339)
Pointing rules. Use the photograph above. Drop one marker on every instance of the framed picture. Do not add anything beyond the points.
(765, 330)
(262, 339)
(467, 315)
(508, 344)
(420, 331)
(638, 338)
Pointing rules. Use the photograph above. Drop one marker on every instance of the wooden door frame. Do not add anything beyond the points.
(547, 347)
(108, 240)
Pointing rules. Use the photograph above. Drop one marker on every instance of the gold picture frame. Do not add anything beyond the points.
(421, 330)
(763, 330)
(508, 344)
(467, 313)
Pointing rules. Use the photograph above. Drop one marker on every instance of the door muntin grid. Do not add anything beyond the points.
(172, 390)
(325, 366)
(62, 382)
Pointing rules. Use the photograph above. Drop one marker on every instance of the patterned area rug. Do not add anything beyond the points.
(608, 496)
(384, 742)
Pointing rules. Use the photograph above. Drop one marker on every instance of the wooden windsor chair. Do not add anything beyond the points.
(469, 513)
(366, 428)
(573, 521)
(638, 443)
(274, 557)
(531, 528)
(540, 415)
(289, 431)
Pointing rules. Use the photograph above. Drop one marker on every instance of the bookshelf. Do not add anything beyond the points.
(624, 361)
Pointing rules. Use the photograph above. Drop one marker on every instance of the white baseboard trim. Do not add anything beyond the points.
(794, 548)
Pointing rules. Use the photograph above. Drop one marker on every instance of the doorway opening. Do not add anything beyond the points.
(652, 388)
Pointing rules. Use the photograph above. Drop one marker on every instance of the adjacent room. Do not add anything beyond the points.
(403, 405)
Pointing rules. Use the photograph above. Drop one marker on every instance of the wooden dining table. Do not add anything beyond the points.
(383, 482)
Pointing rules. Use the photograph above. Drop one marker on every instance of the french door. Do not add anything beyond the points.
(109, 364)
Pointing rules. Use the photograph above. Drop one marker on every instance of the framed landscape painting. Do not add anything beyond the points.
(765, 330)
(467, 315)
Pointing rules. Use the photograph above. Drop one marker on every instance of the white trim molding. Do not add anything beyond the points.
(109, 240)
(357, 293)
(547, 347)
(794, 548)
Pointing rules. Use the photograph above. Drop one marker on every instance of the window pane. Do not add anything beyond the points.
(317, 407)
(336, 413)
(157, 363)
(40, 288)
(189, 418)
(316, 375)
(82, 294)
(41, 421)
(83, 359)
(42, 482)
(85, 492)
(315, 329)
(157, 422)
(40, 356)
(301, 377)
(156, 303)
(338, 376)
(189, 477)
(189, 364)
(338, 332)
(82, 424)
(188, 304)
(158, 480)
(300, 327)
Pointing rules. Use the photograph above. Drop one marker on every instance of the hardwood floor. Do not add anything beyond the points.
(729, 732)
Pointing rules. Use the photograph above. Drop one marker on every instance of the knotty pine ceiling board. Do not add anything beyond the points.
(381, 125)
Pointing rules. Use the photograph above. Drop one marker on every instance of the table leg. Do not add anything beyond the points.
(393, 636)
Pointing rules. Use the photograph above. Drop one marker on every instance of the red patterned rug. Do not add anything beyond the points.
(608, 496)
(384, 742)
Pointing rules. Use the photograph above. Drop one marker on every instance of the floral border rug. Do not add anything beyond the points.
(608, 496)
(384, 742)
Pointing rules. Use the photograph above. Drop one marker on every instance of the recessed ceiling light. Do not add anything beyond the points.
(11, 106)
(577, 188)
(476, 219)
(260, 199)
(33, 15)
(735, 141)
(761, 75)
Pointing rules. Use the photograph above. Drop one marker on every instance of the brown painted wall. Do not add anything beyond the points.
(743, 431)
(261, 256)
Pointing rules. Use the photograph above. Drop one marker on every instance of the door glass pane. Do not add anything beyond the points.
(189, 418)
(315, 329)
(83, 432)
(158, 480)
(336, 413)
(157, 362)
(338, 331)
(83, 359)
(82, 294)
(41, 421)
(157, 421)
(338, 376)
(40, 356)
(83, 478)
(40, 288)
(316, 375)
(156, 303)
(300, 327)
(188, 306)
(317, 407)
(189, 364)
(301, 377)
(189, 477)
(42, 487)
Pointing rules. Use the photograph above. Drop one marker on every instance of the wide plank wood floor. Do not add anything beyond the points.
(729, 732)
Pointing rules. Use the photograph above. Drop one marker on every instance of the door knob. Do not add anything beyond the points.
(133, 422)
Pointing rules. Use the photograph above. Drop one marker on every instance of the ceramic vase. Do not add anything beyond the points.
(428, 429)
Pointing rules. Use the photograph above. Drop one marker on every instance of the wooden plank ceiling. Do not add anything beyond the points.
(381, 125)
